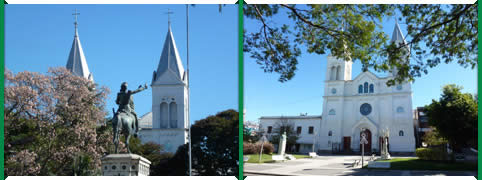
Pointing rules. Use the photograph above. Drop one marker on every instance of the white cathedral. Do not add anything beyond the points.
(350, 106)
(167, 123)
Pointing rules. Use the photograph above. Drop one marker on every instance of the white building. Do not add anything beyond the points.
(351, 105)
(306, 128)
(167, 123)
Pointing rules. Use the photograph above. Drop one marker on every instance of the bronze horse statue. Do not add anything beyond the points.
(123, 123)
(125, 120)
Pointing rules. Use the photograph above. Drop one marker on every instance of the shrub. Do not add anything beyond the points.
(249, 148)
(254, 148)
(431, 154)
(268, 148)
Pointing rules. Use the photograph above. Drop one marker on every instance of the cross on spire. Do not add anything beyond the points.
(169, 12)
(75, 23)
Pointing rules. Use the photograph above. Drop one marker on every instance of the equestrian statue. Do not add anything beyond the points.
(125, 119)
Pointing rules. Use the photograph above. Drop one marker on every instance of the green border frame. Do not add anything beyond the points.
(240, 86)
(479, 169)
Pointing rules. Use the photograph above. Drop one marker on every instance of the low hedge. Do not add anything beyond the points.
(254, 148)
(431, 153)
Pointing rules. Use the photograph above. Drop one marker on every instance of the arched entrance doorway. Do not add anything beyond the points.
(368, 147)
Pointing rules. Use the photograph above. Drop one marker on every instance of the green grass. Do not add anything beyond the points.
(300, 156)
(254, 158)
(418, 164)
(266, 158)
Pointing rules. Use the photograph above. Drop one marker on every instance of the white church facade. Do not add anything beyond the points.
(167, 124)
(352, 105)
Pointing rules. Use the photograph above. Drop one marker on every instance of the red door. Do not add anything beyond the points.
(346, 143)
(368, 146)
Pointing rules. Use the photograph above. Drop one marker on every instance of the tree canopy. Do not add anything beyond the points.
(436, 33)
(454, 116)
(52, 124)
(215, 144)
(214, 147)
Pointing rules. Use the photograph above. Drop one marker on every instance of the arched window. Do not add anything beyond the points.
(371, 88)
(400, 133)
(332, 73)
(365, 87)
(173, 115)
(330, 133)
(164, 115)
(400, 109)
(360, 89)
(332, 112)
(338, 73)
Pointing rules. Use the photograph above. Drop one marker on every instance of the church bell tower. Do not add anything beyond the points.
(170, 97)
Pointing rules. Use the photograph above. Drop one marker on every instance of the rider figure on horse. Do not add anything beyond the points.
(125, 101)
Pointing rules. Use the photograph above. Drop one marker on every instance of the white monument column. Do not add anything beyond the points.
(282, 144)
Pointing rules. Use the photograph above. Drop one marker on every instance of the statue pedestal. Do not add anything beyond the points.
(125, 165)
(385, 156)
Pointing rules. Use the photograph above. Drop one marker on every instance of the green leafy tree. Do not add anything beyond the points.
(454, 116)
(178, 165)
(281, 127)
(433, 138)
(436, 33)
(152, 152)
(214, 149)
(215, 144)
(249, 135)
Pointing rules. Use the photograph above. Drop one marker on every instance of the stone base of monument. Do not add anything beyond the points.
(385, 156)
(312, 154)
(278, 158)
(125, 165)
(290, 157)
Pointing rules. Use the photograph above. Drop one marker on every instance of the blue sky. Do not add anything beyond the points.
(266, 96)
(124, 43)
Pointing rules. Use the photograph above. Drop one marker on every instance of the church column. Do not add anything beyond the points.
(168, 115)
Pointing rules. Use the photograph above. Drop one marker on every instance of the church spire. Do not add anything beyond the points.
(399, 40)
(170, 61)
(397, 35)
(76, 63)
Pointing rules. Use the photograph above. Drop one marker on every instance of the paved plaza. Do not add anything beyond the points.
(334, 166)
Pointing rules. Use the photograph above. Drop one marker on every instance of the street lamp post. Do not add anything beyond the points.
(363, 141)
(263, 139)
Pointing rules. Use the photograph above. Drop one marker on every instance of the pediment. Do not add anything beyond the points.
(366, 76)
